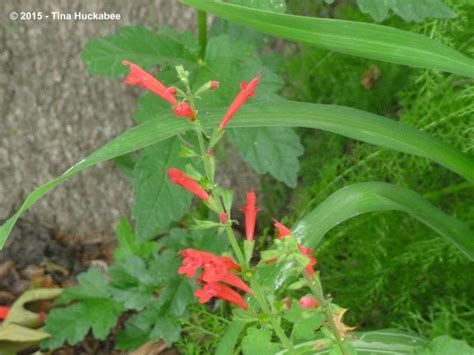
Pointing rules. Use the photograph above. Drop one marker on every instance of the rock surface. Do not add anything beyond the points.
(54, 114)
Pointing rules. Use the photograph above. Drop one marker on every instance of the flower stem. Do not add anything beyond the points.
(202, 24)
(259, 296)
(235, 247)
(315, 286)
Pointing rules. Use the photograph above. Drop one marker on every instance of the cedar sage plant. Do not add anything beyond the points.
(233, 277)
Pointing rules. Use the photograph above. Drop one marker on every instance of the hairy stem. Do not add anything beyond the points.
(317, 290)
(259, 296)
(236, 247)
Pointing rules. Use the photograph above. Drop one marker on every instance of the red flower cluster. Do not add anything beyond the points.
(140, 77)
(308, 252)
(178, 177)
(215, 274)
(250, 214)
(247, 90)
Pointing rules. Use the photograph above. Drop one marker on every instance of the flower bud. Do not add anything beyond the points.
(308, 302)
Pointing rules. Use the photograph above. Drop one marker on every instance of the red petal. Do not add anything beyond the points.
(282, 230)
(231, 296)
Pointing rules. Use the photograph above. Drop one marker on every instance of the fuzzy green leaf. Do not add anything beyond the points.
(158, 201)
(136, 44)
(94, 309)
(229, 340)
(409, 10)
(270, 150)
(258, 341)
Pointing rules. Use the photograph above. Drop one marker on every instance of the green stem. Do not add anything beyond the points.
(228, 228)
(204, 156)
(275, 325)
(202, 25)
(315, 286)
(235, 247)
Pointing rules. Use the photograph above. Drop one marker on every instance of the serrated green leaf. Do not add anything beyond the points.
(137, 44)
(270, 150)
(229, 340)
(126, 239)
(137, 329)
(166, 328)
(158, 201)
(92, 285)
(133, 283)
(409, 10)
(94, 309)
(349, 37)
(258, 341)
(305, 327)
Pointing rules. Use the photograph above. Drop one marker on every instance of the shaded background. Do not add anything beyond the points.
(54, 113)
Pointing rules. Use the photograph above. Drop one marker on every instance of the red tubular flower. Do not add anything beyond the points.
(140, 77)
(215, 273)
(250, 215)
(308, 252)
(210, 291)
(214, 84)
(282, 230)
(184, 110)
(240, 99)
(178, 177)
(4, 312)
(308, 302)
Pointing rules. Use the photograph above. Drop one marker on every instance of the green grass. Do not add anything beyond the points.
(387, 268)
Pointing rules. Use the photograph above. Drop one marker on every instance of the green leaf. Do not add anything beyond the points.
(94, 309)
(353, 38)
(273, 150)
(268, 5)
(258, 341)
(229, 340)
(386, 341)
(367, 197)
(445, 345)
(138, 45)
(158, 201)
(349, 122)
(129, 245)
(166, 328)
(267, 150)
(137, 329)
(409, 10)
(133, 283)
(305, 328)
(126, 239)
